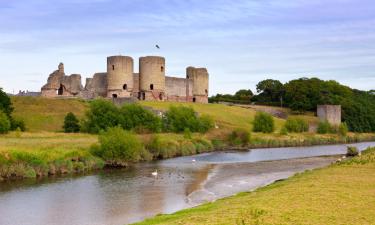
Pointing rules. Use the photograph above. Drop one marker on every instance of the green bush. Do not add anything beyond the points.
(4, 123)
(71, 123)
(104, 114)
(17, 124)
(101, 116)
(296, 125)
(163, 148)
(134, 116)
(352, 151)
(239, 137)
(284, 131)
(263, 122)
(179, 118)
(117, 146)
(343, 129)
(324, 127)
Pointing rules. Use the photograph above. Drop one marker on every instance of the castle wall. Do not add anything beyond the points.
(119, 76)
(330, 113)
(175, 89)
(95, 86)
(136, 84)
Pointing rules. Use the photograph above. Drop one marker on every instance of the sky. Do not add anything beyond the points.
(241, 42)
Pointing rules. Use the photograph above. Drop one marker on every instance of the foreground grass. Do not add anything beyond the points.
(29, 155)
(339, 194)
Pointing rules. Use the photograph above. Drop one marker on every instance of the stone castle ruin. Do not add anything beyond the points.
(120, 81)
(329, 113)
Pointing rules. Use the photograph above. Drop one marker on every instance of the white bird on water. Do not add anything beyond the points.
(193, 160)
(155, 173)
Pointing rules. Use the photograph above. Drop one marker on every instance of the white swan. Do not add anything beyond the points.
(155, 173)
(193, 160)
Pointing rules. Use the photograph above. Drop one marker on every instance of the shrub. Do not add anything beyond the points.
(101, 116)
(17, 124)
(296, 125)
(177, 119)
(343, 129)
(205, 123)
(263, 122)
(117, 145)
(284, 131)
(163, 148)
(71, 123)
(352, 151)
(324, 127)
(4, 123)
(218, 144)
(134, 116)
(104, 114)
(239, 137)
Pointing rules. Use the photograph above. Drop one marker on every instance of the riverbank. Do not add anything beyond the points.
(32, 155)
(339, 194)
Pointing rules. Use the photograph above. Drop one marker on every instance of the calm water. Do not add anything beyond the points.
(125, 196)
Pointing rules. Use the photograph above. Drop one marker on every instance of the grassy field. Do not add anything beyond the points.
(339, 194)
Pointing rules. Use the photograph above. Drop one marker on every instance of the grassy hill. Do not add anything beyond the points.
(42, 114)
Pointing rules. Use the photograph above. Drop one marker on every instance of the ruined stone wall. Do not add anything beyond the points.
(95, 86)
(176, 89)
(330, 113)
(58, 84)
(119, 76)
(152, 77)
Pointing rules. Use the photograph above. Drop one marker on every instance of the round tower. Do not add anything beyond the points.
(152, 78)
(119, 76)
(199, 77)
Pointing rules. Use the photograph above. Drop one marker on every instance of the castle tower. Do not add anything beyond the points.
(152, 78)
(199, 76)
(119, 76)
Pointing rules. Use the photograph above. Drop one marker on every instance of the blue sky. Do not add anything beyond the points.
(241, 42)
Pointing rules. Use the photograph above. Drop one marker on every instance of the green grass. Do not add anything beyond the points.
(339, 194)
(44, 114)
(40, 154)
(227, 117)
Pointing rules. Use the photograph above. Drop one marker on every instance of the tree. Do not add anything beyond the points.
(71, 123)
(243, 95)
(101, 115)
(5, 103)
(4, 123)
(270, 90)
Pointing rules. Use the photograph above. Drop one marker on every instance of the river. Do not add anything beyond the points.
(130, 195)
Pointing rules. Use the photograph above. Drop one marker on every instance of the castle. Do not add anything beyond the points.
(120, 81)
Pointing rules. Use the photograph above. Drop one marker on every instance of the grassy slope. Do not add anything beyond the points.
(226, 116)
(42, 114)
(339, 194)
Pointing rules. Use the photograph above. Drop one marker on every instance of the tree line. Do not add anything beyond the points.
(304, 94)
